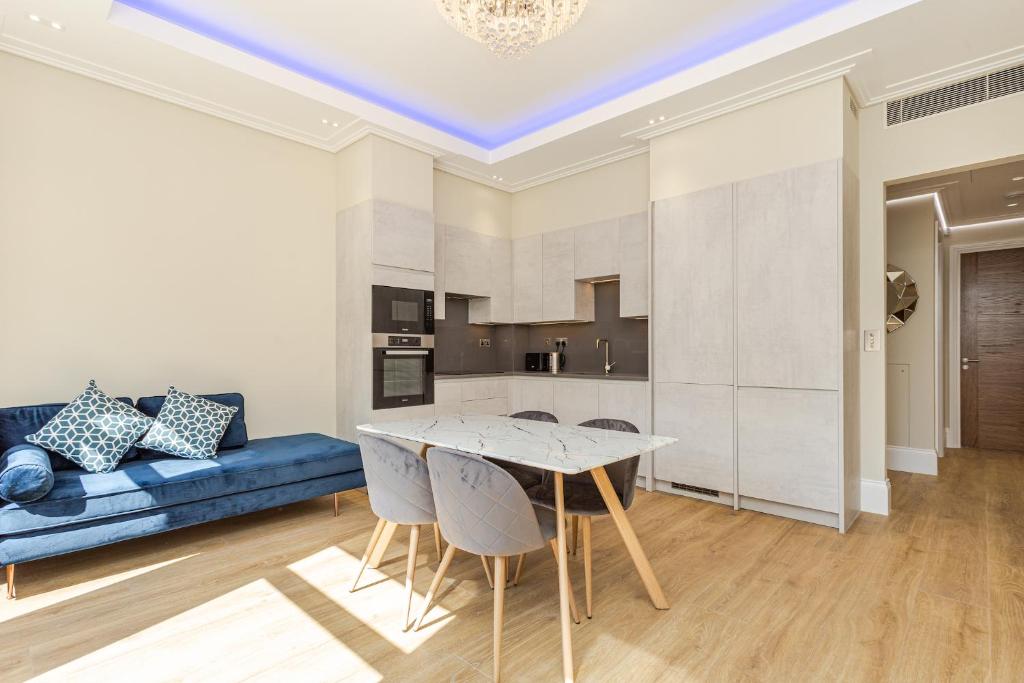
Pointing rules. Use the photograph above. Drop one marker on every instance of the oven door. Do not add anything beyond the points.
(397, 310)
(402, 377)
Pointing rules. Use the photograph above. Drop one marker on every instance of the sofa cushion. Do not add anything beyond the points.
(148, 484)
(234, 437)
(25, 474)
(18, 422)
(188, 426)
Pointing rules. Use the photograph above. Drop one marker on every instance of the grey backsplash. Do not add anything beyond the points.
(458, 350)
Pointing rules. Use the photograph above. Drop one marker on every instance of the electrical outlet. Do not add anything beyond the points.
(872, 340)
(547, 341)
(485, 343)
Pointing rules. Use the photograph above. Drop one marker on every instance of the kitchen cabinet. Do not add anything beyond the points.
(402, 237)
(634, 260)
(496, 308)
(531, 394)
(527, 277)
(701, 417)
(788, 446)
(788, 279)
(575, 401)
(563, 298)
(693, 288)
(478, 396)
(595, 250)
(467, 262)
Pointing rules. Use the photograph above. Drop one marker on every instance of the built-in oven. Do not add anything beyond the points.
(397, 310)
(403, 370)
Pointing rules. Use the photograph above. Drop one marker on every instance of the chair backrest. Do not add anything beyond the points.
(623, 473)
(535, 415)
(397, 482)
(481, 508)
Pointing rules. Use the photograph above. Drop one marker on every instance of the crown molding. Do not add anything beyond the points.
(950, 74)
(60, 60)
(359, 129)
(805, 79)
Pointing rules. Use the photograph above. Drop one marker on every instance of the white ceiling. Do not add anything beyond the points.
(419, 81)
(973, 196)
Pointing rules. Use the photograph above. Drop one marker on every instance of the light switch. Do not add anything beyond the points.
(872, 340)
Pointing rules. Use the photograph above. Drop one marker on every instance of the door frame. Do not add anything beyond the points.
(953, 357)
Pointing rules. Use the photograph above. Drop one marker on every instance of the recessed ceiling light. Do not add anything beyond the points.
(324, 121)
(56, 26)
(335, 124)
(35, 17)
(1017, 178)
(1012, 205)
(500, 178)
(661, 118)
(494, 177)
(650, 122)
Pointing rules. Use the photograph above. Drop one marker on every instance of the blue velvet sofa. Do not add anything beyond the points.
(149, 493)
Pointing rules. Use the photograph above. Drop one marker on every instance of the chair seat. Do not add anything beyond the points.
(581, 497)
(527, 476)
(140, 485)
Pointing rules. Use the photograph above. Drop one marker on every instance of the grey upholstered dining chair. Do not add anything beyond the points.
(528, 476)
(398, 485)
(483, 510)
(583, 499)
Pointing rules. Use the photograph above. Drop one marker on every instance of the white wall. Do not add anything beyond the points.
(911, 244)
(963, 137)
(473, 206)
(617, 189)
(143, 244)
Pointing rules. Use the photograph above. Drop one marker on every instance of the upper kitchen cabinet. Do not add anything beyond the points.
(467, 262)
(563, 297)
(788, 279)
(527, 277)
(693, 288)
(595, 250)
(497, 308)
(403, 237)
(633, 259)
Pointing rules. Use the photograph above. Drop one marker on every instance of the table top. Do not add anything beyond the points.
(554, 447)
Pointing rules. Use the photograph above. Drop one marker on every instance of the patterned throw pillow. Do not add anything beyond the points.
(94, 431)
(188, 426)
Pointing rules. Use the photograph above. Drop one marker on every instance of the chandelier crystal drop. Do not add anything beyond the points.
(511, 28)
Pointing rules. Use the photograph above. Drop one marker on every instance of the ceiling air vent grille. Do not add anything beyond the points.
(973, 90)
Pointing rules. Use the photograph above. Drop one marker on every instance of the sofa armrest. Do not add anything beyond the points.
(25, 474)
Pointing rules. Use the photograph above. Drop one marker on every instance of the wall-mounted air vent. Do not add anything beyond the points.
(978, 89)
(695, 489)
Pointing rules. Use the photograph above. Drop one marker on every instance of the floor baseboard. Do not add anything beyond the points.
(874, 496)
(916, 460)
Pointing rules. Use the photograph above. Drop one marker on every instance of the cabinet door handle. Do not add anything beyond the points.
(970, 360)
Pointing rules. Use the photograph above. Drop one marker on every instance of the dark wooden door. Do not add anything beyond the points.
(992, 342)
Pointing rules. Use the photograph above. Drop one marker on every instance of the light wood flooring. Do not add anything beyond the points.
(934, 592)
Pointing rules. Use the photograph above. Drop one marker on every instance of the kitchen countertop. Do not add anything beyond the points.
(544, 375)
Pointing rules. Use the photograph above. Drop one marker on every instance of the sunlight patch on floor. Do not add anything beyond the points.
(214, 641)
(30, 602)
(379, 603)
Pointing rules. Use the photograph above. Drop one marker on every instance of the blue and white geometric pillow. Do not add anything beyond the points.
(188, 426)
(94, 431)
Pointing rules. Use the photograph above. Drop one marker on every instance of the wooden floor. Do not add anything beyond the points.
(934, 592)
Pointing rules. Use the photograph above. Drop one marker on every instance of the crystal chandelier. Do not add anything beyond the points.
(511, 28)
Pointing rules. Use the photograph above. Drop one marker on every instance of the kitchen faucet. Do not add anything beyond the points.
(607, 365)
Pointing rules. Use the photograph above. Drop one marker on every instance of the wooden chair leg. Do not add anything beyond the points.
(575, 532)
(449, 553)
(374, 538)
(500, 564)
(519, 569)
(437, 540)
(572, 596)
(487, 572)
(410, 572)
(337, 504)
(11, 594)
(588, 566)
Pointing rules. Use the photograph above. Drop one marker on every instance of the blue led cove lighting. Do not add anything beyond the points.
(748, 32)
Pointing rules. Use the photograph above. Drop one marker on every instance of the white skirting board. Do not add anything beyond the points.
(874, 496)
(917, 460)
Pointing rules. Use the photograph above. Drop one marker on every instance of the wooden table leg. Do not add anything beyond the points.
(643, 567)
(382, 544)
(563, 580)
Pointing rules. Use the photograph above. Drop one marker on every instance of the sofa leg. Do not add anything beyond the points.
(10, 582)
(337, 504)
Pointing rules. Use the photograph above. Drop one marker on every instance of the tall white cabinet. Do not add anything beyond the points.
(747, 342)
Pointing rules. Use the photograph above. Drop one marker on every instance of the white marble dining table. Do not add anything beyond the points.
(557, 448)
